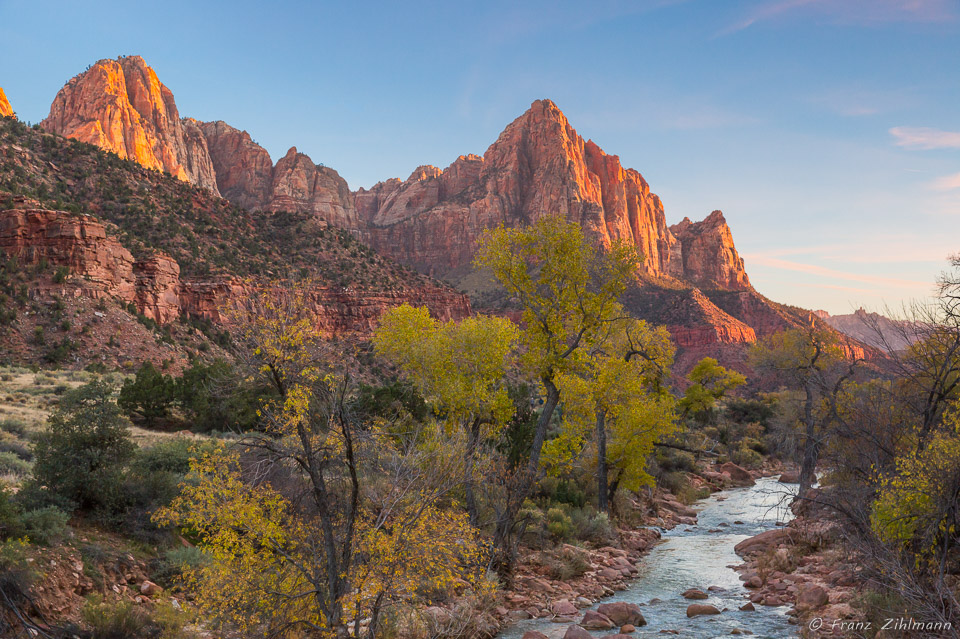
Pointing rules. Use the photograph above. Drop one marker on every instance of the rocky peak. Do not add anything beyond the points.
(5, 109)
(708, 254)
(243, 168)
(300, 185)
(121, 106)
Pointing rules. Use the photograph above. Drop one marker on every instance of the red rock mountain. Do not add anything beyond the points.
(5, 109)
(247, 177)
(696, 282)
(121, 106)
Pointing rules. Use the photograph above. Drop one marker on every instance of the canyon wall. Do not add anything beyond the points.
(6, 111)
(100, 267)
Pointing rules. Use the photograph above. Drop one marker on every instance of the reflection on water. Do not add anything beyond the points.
(694, 557)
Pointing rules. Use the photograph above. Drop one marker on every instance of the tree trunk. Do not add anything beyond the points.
(808, 464)
(602, 483)
(504, 537)
(468, 473)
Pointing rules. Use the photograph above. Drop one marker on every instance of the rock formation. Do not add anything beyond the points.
(99, 266)
(244, 169)
(247, 177)
(709, 257)
(540, 166)
(300, 185)
(5, 109)
(121, 106)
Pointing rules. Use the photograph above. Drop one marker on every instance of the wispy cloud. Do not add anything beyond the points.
(946, 183)
(857, 12)
(833, 274)
(925, 138)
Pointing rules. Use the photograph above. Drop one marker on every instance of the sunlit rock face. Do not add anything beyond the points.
(300, 185)
(5, 109)
(121, 106)
(540, 166)
(709, 257)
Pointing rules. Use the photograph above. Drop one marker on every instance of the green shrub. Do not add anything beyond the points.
(80, 458)
(121, 620)
(45, 526)
(149, 395)
(11, 464)
(13, 426)
(589, 525)
(559, 524)
(747, 458)
(11, 526)
(17, 447)
(170, 567)
(570, 564)
(171, 455)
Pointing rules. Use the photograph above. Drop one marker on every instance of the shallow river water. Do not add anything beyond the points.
(693, 557)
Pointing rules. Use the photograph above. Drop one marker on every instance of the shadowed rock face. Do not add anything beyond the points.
(5, 109)
(99, 266)
(121, 106)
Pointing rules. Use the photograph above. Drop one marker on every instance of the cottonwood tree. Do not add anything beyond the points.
(709, 383)
(321, 520)
(619, 398)
(568, 290)
(815, 360)
(461, 367)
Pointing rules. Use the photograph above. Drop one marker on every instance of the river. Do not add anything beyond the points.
(694, 557)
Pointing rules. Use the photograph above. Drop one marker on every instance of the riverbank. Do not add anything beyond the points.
(805, 566)
(687, 569)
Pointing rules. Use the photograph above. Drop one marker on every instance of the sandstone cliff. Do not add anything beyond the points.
(121, 106)
(709, 257)
(540, 166)
(99, 266)
(5, 109)
(246, 176)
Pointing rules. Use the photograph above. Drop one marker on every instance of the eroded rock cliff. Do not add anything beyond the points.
(5, 109)
(99, 266)
(121, 106)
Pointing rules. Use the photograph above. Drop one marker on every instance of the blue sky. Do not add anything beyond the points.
(828, 131)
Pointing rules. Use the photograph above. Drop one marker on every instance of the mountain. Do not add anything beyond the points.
(5, 109)
(693, 279)
(874, 329)
(121, 106)
(170, 252)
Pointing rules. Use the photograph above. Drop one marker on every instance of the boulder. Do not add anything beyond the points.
(694, 593)
(533, 634)
(789, 477)
(748, 607)
(593, 620)
(627, 629)
(576, 632)
(563, 608)
(622, 613)
(760, 543)
(811, 597)
(695, 610)
(150, 589)
(741, 476)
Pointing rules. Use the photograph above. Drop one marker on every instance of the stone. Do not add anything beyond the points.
(593, 620)
(150, 589)
(811, 597)
(738, 474)
(789, 477)
(696, 610)
(748, 607)
(626, 629)
(622, 613)
(576, 632)
(762, 542)
(694, 593)
(563, 607)
(121, 106)
(533, 634)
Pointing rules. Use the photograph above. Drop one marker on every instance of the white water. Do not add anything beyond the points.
(693, 557)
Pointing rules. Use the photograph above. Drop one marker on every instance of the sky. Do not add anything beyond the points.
(828, 131)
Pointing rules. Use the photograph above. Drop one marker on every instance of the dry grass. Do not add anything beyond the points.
(28, 398)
